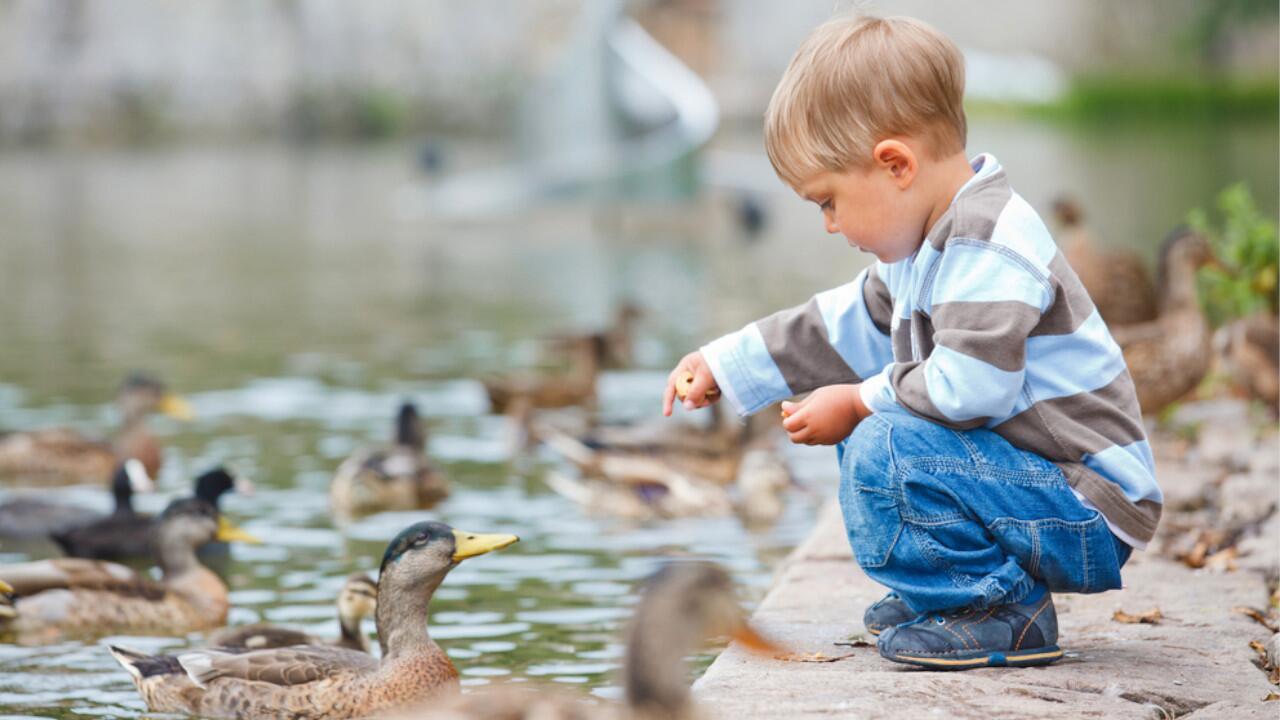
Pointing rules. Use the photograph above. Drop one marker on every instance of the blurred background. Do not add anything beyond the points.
(299, 212)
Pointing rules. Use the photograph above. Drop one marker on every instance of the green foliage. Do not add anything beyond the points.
(1243, 281)
(1117, 98)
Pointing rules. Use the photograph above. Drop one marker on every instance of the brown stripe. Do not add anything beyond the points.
(922, 332)
(974, 213)
(902, 343)
(797, 340)
(1067, 428)
(993, 332)
(875, 295)
(1138, 520)
(910, 389)
(1071, 302)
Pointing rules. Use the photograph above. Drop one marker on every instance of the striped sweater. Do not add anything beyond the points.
(986, 325)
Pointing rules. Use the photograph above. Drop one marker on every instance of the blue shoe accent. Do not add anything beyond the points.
(1016, 634)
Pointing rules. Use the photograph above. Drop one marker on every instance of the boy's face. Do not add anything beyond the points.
(871, 208)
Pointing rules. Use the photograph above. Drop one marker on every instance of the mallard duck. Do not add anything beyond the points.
(356, 601)
(74, 596)
(683, 605)
(32, 517)
(642, 477)
(399, 476)
(1169, 356)
(1117, 281)
(63, 455)
(122, 537)
(323, 681)
(615, 343)
(1250, 353)
(519, 393)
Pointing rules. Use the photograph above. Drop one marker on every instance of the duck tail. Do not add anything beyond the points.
(199, 667)
(140, 665)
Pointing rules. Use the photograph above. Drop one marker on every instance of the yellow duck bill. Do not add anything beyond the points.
(230, 533)
(469, 545)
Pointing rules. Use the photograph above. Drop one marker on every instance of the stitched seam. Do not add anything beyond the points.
(1026, 264)
(1048, 599)
(979, 621)
(963, 642)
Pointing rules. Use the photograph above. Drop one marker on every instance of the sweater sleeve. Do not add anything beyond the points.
(985, 300)
(838, 336)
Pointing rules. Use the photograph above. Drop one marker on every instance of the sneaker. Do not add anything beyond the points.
(887, 612)
(1019, 634)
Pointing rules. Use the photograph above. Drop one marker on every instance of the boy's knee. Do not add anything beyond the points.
(868, 457)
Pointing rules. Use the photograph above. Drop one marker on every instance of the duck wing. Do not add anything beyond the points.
(122, 535)
(276, 666)
(78, 574)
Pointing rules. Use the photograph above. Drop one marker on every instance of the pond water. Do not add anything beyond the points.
(285, 291)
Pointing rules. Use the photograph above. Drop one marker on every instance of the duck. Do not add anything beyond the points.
(356, 600)
(61, 455)
(1117, 280)
(615, 343)
(682, 606)
(1169, 356)
(398, 476)
(66, 597)
(665, 474)
(124, 537)
(1249, 349)
(325, 681)
(29, 517)
(517, 394)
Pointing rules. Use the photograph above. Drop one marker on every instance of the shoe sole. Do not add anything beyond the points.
(1021, 658)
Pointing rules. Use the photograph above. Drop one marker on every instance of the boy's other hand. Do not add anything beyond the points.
(699, 393)
(826, 417)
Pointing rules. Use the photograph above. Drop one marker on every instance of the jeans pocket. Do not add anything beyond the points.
(1068, 556)
(873, 521)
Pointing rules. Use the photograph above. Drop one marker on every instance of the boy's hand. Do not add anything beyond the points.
(701, 392)
(826, 417)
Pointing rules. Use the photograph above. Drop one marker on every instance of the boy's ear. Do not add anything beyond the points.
(898, 160)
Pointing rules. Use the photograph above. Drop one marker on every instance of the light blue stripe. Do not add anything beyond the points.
(1129, 466)
(1020, 229)
(980, 272)
(964, 388)
(1082, 361)
(751, 371)
(851, 330)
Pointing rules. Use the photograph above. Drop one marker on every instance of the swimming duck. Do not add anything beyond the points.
(31, 517)
(356, 601)
(1117, 281)
(1169, 356)
(73, 596)
(683, 605)
(642, 477)
(399, 476)
(615, 343)
(323, 681)
(122, 537)
(60, 455)
(518, 393)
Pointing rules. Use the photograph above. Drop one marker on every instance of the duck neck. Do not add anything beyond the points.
(654, 671)
(1180, 291)
(402, 616)
(350, 632)
(123, 493)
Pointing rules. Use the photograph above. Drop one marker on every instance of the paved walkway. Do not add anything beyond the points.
(1196, 662)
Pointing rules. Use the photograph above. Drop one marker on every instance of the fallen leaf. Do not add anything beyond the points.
(1224, 560)
(814, 657)
(858, 640)
(1258, 616)
(1273, 695)
(1150, 617)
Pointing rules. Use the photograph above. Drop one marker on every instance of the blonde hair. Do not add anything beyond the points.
(856, 81)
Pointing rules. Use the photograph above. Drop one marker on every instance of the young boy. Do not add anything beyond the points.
(990, 442)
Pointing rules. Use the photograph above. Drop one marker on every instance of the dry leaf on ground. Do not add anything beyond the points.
(1150, 617)
(858, 640)
(813, 657)
(1257, 615)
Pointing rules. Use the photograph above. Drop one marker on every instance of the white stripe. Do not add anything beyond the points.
(1081, 361)
(746, 369)
(851, 331)
(964, 388)
(978, 271)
